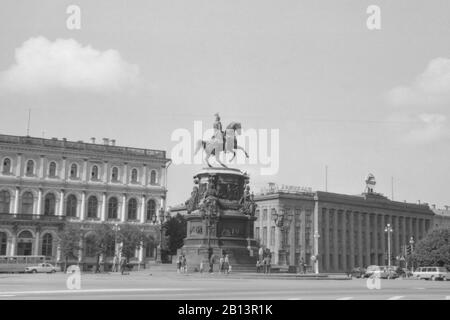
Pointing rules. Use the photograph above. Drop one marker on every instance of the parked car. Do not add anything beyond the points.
(41, 268)
(371, 270)
(389, 274)
(383, 272)
(406, 273)
(357, 272)
(432, 273)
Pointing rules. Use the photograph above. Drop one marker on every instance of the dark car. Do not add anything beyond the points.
(357, 272)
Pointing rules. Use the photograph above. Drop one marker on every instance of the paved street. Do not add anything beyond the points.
(142, 285)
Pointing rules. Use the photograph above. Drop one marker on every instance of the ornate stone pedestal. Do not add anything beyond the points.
(220, 220)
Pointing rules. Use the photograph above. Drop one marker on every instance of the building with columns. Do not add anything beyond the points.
(46, 183)
(441, 217)
(333, 232)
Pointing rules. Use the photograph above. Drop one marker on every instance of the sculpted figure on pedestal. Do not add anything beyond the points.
(192, 202)
(247, 202)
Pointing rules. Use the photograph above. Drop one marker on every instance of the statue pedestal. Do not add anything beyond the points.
(218, 225)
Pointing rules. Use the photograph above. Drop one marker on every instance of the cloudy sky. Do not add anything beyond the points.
(356, 100)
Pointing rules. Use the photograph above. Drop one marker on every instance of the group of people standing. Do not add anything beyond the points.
(181, 264)
(119, 264)
(224, 264)
(264, 260)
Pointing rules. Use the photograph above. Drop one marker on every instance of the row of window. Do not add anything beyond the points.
(265, 215)
(264, 238)
(25, 245)
(27, 206)
(52, 171)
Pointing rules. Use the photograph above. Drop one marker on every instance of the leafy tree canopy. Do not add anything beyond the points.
(132, 238)
(434, 249)
(176, 230)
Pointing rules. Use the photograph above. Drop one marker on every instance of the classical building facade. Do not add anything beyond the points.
(45, 183)
(441, 217)
(333, 232)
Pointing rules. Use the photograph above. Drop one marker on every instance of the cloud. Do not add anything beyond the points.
(432, 87)
(429, 128)
(42, 65)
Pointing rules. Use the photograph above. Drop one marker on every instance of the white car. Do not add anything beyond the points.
(432, 273)
(41, 268)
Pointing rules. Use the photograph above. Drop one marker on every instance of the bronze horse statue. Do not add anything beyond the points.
(228, 143)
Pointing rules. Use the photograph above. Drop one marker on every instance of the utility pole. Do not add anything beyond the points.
(326, 178)
(28, 124)
(389, 230)
(392, 188)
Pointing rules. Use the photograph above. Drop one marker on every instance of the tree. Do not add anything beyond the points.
(102, 237)
(69, 241)
(132, 239)
(176, 231)
(433, 250)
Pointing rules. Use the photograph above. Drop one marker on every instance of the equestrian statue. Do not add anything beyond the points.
(221, 141)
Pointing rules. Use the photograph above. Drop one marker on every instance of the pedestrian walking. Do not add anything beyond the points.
(267, 261)
(115, 264)
(123, 263)
(270, 263)
(184, 264)
(221, 265)
(179, 263)
(258, 266)
(227, 265)
(201, 267)
(261, 254)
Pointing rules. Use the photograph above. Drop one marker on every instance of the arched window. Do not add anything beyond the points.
(115, 174)
(5, 200)
(52, 169)
(71, 206)
(25, 243)
(25, 235)
(92, 207)
(90, 245)
(27, 203)
(132, 209)
(151, 209)
(149, 249)
(112, 208)
(153, 177)
(49, 204)
(3, 243)
(30, 168)
(134, 174)
(6, 166)
(47, 245)
(94, 173)
(73, 171)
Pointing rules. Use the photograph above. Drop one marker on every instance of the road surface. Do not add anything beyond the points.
(172, 286)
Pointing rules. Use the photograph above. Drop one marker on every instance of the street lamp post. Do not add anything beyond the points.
(116, 229)
(316, 251)
(389, 230)
(210, 217)
(283, 221)
(161, 220)
(411, 243)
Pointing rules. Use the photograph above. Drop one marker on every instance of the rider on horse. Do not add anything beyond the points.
(217, 126)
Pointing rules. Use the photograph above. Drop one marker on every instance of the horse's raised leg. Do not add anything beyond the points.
(220, 162)
(240, 148)
(207, 161)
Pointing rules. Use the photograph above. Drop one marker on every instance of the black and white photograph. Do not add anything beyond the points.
(234, 151)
